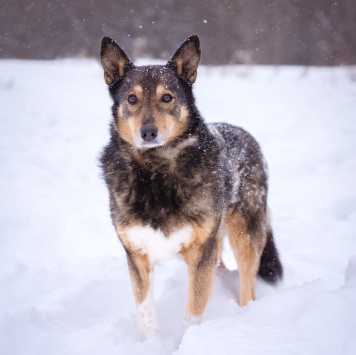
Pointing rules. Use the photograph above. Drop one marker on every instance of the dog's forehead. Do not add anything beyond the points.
(151, 76)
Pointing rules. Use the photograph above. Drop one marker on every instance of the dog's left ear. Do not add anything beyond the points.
(114, 60)
(186, 59)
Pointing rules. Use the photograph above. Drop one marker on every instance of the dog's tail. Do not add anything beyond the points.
(271, 269)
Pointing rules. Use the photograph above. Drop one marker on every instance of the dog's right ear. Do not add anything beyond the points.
(114, 60)
(186, 59)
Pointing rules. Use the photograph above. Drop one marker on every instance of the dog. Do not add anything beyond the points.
(176, 183)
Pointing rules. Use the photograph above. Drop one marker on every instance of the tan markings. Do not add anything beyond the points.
(173, 152)
(109, 78)
(121, 64)
(108, 62)
(122, 232)
(160, 91)
(246, 253)
(123, 127)
(135, 124)
(193, 76)
(137, 90)
(178, 128)
(179, 64)
(134, 109)
(201, 232)
(201, 282)
(201, 256)
(139, 268)
(138, 264)
(169, 126)
(129, 127)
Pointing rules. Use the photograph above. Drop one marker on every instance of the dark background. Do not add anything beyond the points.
(304, 32)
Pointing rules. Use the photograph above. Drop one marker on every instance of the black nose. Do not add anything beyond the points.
(148, 132)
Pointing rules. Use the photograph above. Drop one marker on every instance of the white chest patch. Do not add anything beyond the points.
(156, 245)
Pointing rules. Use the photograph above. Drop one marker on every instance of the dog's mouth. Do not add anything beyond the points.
(144, 144)
(147, 145)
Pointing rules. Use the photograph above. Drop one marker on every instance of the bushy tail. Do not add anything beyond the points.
(271, 269)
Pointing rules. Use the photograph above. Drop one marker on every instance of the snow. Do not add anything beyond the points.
(65, 287)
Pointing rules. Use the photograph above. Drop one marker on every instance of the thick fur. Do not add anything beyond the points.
(191, 175)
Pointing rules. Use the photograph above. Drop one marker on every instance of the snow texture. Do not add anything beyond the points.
(65, 287)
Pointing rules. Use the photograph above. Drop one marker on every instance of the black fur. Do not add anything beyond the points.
(270, 269)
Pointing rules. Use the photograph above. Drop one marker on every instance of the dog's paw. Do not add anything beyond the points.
(148, 327)
(149, 332)
(190, 320)
(147, 319)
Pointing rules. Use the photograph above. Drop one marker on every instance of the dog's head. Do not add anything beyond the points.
(151, 103)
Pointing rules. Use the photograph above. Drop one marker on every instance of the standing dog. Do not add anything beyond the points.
(175, 182)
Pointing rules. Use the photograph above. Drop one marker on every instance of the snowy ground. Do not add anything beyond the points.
(64, 286)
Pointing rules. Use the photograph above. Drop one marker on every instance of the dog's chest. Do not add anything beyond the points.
(156, 245)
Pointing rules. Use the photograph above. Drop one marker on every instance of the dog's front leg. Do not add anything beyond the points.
(202, 260)
(142, 284)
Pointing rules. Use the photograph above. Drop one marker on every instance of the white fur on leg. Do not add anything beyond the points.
(146, 313)
(190, 320)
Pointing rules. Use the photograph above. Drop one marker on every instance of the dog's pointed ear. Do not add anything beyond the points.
(186, 59)
(114, 60)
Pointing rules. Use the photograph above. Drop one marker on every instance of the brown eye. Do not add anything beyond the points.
(132, 99)
(167, 98)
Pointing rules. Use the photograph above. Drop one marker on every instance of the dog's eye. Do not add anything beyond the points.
(167, 98)
(132, 99)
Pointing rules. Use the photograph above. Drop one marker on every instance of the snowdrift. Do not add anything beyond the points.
(63, 275)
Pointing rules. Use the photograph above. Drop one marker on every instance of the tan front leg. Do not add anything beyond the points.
(202, 259)
(142, 284)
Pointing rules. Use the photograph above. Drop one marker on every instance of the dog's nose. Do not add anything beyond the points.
(148, 132)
